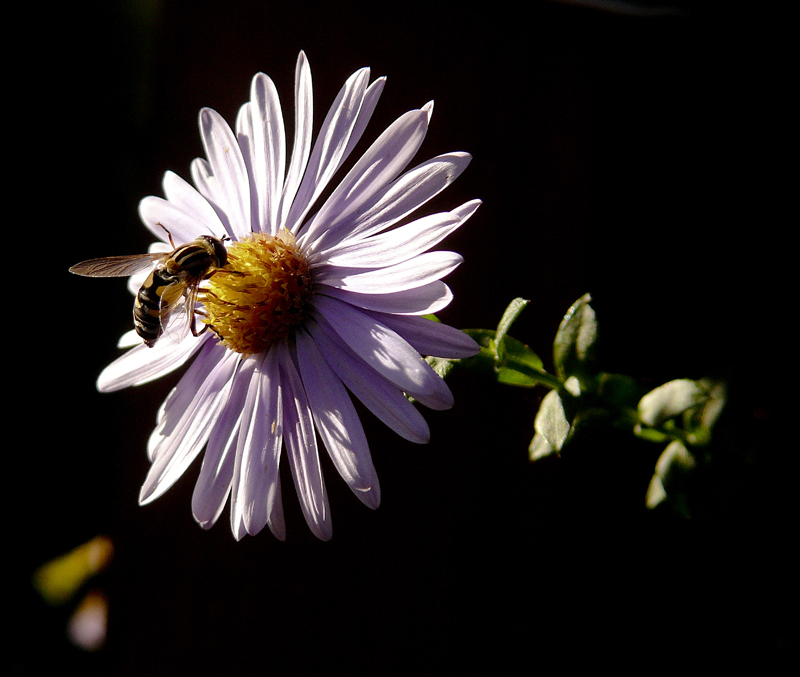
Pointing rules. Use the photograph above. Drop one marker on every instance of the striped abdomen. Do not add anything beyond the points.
(147, 307)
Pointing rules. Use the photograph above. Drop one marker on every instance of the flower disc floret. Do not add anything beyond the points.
(260, 295)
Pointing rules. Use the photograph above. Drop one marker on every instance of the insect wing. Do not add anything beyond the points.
(117, 266)
(178, 303)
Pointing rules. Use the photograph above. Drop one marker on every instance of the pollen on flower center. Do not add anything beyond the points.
(260, 295)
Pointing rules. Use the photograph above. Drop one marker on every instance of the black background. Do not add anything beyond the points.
(632, 154)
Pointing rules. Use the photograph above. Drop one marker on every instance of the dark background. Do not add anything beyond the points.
(634, 154)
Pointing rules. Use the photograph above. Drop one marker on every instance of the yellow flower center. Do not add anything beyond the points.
(260, 295)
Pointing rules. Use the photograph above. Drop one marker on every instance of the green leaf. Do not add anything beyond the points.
(523, 367)
(670, 479)
(510, 315)
(574, 345)
(717, 393)
(651, 435)
(519, 365)
(551, 421)
(440, 365)
(551, 424)
(520, 354)
(483, 337)
(670, 400)
(539, 448)
(486, 359)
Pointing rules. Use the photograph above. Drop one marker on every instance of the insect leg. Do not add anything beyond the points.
(169, 235)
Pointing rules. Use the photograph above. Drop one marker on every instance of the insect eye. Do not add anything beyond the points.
(221, 253)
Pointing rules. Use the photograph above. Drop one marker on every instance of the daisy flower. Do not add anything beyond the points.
(319, 301)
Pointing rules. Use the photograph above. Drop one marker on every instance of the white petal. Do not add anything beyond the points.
(330, 146)
(227, 166)
(368, 105)
(142, 364)
(402, 243)
(396, 246)
(301, 446)
(417, 272)
(269, 145)
(276, 522)
(381, 397)
(209, 187)
(244, 438)
(259, 448)
(216, 474)
(156, 212)
(244, 139)
(180, 397)
(379, 166)
(214, 482)
(129, 339)
(381, 348)
(437, 397)
(337, 422)
(238, 529)
(196, 208)
(185, 433)
(430, 337)
(303, 130)
(395, 201)
(425, 300)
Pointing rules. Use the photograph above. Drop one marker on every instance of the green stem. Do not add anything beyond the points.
(549, 380)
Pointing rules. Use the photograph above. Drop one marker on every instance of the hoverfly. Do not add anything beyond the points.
(175, 278)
